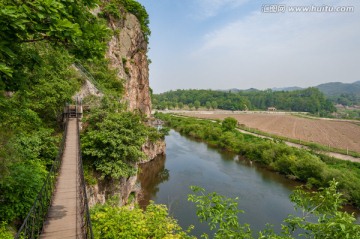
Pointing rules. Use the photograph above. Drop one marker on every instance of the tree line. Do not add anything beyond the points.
(307, 100)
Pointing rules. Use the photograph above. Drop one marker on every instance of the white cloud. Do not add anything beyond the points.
(266, 50)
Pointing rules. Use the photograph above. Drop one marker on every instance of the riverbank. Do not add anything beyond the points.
(299, 164)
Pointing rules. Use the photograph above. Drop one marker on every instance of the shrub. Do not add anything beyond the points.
(122, 222)
(229, 124)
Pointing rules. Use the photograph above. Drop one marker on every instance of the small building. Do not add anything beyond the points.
(271, 109)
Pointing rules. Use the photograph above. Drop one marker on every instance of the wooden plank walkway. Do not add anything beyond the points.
(62, 219)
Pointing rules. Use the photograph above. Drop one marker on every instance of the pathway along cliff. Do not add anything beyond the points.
(263, 195)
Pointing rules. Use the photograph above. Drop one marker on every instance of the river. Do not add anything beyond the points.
(263, 195)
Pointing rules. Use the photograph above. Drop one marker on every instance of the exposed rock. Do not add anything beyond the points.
(88, 89)
(152, 149)
(127, 54)
(106, 189)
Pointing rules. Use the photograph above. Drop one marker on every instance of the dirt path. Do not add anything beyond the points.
(331, 154)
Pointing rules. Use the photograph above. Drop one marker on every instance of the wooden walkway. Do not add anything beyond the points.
(62, 218)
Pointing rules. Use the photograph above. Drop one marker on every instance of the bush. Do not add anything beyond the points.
(4, 232)
(121, 222)
(19, 189)
(229, 124)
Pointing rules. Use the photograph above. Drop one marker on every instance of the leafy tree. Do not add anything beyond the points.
(197, 104)
(214, 105)
(229, 124)
(221, 214)
(112, 143)
(19, 188)
(112, 140)
(208, 105)
(60, 23)
(309, 100)
(122, 222)
(191, 105)
(181, 105)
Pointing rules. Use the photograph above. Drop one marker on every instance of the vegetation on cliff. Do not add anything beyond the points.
(112, 139)
(116, 9)
(39, 42)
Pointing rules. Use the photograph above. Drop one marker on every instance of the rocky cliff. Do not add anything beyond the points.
(127, 53)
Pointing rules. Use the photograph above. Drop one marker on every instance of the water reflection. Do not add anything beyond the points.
(264, 195)
(151, 176)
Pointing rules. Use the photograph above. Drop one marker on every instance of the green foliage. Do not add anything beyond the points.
(308, 100)
(229, 124)
(208, 105)
(19, 189)
(325, 205)
(121, 222)
(114, 8)
(197, 104)
(60, 23)
(299, 164)
(4, 232)
(106, 79)
(113, 139)
(221, 213)
(111, 9)
(141, 14)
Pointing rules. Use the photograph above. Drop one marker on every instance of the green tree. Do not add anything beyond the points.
(221, 214)
(197, 104)
(112, 142)
(60, 23)
(208, 105)
(181, 105)
(214, 105)
(229, 124)
(111, 222)
(191, 105)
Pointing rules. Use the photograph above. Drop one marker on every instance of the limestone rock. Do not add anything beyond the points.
(127, 54)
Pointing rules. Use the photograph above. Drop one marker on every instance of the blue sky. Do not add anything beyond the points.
(223, 44)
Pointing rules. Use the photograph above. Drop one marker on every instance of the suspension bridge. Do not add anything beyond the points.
(61, 208)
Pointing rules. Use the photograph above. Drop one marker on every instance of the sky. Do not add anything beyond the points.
(224, 44)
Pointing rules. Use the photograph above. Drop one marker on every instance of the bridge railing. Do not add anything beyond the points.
(82, 206)
(33, 223)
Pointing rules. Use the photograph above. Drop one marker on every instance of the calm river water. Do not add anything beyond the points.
(263, 195)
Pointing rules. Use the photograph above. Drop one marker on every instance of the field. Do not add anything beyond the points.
(331, 133)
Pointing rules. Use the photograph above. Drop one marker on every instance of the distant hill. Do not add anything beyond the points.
(337, 88)
(287, 88)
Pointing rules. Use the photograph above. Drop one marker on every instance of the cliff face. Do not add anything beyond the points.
(127, 53)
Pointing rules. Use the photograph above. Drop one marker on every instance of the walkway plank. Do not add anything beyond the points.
(62, 220)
